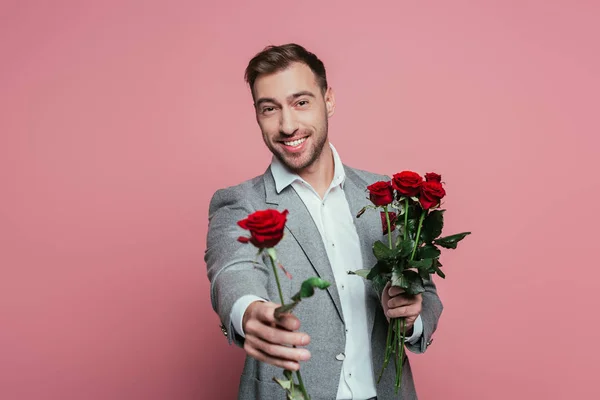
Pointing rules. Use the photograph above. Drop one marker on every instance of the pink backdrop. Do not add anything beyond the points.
(120, 119)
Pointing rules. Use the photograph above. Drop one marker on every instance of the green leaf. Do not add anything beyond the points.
(405, 248)
(421, 264)
(396, 278)
(436, 268)
(450, 242)
(425, 274)
(295, 395)
(428, 251)
(308, 288)
(286, 384)
(413, 224)
(360, 272)
(412, 282)
(381, 267)
(414, 211)
(424, 267)
(381, 251)
(379, 283)
(440, 273)
(432, 226)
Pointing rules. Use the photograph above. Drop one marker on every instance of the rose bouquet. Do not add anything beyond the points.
(410, 258)
(266, 231)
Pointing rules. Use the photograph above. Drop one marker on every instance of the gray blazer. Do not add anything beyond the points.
(235, 270)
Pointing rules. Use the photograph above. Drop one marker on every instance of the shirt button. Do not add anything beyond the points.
(343, 287)
(340, 357)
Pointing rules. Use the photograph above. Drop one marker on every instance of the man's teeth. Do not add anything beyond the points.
(295, 142)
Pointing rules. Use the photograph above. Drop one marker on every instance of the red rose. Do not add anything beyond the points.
(266, 228)
(381, 193)
(392, 221)
(433, 177)
(431, 194)
(407, 183)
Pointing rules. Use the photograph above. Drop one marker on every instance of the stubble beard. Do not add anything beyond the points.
(314, 153)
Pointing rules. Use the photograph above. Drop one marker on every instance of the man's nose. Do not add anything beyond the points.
(288, 124)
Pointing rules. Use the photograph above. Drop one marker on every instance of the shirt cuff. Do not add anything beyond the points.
(238, 310)
(417, 331)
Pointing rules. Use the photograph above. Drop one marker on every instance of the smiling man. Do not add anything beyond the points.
(343, 334)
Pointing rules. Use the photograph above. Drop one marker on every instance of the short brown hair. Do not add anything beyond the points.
(276, 58)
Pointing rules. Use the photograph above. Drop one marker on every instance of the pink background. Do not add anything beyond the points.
(120, 119)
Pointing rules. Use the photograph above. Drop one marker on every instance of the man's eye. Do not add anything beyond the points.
(267, 109)
(302, 103)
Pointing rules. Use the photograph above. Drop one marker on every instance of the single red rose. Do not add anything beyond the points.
(433, 177)
(381, 193)
(393, 217)
(265, 226)
(407, 183)
(431, 194)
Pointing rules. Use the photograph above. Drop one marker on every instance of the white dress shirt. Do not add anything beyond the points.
(335, 222)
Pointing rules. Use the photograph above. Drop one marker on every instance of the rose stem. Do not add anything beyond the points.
(388, 352)
(423, 213)
(271, 253)
(272, 257)
(389, 226)
(405, 218)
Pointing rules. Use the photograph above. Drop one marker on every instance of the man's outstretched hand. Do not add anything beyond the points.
(270, 340)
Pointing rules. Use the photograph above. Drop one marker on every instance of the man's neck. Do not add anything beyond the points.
(320, 174)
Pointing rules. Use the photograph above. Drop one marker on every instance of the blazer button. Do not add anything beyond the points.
(429, 341)
(224, 330)
(340, 357)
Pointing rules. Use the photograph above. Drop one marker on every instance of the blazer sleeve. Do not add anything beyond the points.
(431, 311)
(233, 268)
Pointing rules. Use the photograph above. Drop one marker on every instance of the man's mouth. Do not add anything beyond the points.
(295, 143)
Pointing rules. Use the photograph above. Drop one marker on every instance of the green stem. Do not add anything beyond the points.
(423, 213)
(405, 218)
(302, 388)
(272, 257)
(388, 350)
(400, 353)
(271, 253)
(389, 226)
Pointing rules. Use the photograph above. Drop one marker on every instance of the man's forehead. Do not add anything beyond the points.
(296, 78)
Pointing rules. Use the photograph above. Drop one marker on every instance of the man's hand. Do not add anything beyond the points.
(398, 304)
(270, 340)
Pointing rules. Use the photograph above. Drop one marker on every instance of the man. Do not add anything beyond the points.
(342, 342)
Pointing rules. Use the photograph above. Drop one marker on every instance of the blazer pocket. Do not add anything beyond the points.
(252, 388)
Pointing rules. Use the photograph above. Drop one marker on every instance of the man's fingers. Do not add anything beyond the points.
(267, 313)
(404, 300)
(275, 335)
(289, 322)
(261, 356)
(278, 351)
(400, 301)
(411, 311)
(395, 291)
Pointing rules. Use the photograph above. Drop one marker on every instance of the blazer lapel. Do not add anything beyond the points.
(301, 226)
(356, 194)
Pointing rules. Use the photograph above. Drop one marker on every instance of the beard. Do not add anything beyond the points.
(298, 162)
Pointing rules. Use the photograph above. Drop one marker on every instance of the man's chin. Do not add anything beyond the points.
(294, 164)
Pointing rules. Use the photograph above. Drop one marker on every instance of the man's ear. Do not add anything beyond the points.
(330, 101)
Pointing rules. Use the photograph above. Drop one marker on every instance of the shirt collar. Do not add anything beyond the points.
(284, 177)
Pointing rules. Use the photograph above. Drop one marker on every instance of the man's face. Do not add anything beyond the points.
(292, 113)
